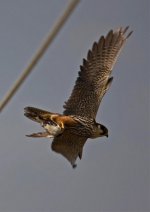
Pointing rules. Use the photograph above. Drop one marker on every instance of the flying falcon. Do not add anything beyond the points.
(71, 129)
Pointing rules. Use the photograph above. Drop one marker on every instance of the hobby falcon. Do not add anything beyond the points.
(71, 129)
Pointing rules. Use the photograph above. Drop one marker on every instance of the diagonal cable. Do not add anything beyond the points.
(39, 53)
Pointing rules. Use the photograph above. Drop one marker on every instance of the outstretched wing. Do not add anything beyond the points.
(69, 145)
(38, 115)
(94, 76)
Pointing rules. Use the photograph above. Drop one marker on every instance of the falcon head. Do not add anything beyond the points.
(100, 131)
(103, 130)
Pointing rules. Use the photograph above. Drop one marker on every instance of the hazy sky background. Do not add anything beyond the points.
(114, 173)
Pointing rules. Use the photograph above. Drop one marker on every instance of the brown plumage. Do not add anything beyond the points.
(70, 145)
(94, 76)
(71, 130)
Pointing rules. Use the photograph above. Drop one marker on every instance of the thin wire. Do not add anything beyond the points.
(39, 53)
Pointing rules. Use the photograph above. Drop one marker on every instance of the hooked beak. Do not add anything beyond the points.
(106, 135)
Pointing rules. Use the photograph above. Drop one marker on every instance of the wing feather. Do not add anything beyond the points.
(94, 75)
(69, 145)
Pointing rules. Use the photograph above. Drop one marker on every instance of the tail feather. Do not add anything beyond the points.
(40, 135)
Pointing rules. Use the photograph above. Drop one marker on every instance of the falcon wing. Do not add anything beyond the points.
(69, 145)
(94, 76)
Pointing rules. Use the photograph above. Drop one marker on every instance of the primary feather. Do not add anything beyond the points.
(94, 76)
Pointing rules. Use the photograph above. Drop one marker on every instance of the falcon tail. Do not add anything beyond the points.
(40, 135)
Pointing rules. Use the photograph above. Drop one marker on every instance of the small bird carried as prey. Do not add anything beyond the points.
(71, 129)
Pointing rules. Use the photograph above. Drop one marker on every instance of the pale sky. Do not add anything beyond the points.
(113, 175)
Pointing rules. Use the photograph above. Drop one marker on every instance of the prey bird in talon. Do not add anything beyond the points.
(53, 123)
(71, 129)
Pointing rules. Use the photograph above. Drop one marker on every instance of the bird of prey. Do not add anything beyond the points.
(71, 129)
